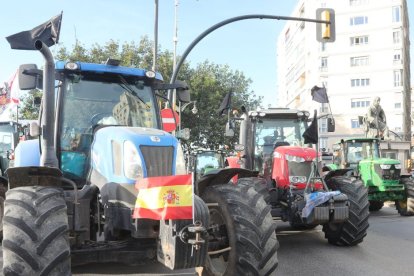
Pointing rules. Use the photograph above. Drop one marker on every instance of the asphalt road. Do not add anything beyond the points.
(388, 249)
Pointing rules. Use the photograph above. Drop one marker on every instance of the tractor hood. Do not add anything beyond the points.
(381, 161)
(308, 154)
(116, 147)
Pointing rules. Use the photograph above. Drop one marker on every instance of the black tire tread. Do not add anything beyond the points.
(250, 223)
(353, 230)
(408, 210)
(36, 232)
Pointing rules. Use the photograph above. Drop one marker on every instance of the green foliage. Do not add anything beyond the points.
(28, 110)
(209, 84)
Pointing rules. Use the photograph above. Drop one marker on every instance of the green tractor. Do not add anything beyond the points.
(361, 158)
(204, 161)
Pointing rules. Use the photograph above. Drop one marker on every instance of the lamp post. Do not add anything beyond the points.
(194, 110)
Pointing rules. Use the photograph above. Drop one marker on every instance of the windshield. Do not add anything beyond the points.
(358, 151)
(207, 161)
(89, 101)
(6, 138)
(271, 131)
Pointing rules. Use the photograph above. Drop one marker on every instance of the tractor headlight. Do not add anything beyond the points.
(398, 166)
(180, 161)
(132, 161)
(292, 158)
(297, 179)
(385, 167)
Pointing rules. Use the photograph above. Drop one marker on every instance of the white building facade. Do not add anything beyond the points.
(366, 60)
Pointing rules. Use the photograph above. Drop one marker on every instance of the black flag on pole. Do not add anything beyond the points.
(47, 32)
(225, 104)
(311, 133)
(319, 94)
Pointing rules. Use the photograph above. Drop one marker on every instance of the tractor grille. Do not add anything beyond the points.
(390, 174)
(300, 169)
(158, 160)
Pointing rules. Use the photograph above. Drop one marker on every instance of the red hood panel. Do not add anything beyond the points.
(307, 153)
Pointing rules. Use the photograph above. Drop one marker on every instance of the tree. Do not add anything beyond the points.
(209, 83)
(28, 109)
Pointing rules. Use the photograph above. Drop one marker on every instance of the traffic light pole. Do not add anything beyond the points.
(231, 20)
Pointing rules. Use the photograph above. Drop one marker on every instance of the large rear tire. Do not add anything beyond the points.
(243, 238)
(35, 233)
(406, 207)
(354, 229)
(375, 205)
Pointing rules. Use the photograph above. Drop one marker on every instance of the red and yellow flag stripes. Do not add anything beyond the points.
(164, 197)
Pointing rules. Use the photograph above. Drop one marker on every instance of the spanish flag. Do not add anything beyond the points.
(164, 197)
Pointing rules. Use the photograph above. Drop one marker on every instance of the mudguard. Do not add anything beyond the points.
(222, 176)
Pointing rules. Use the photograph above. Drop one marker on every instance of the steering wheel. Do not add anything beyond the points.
(99, 116)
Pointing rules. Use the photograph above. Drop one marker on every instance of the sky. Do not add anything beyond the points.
(248, 46)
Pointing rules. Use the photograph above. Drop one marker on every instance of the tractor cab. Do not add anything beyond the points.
(206, 161)
(350, 152)
(276, 132)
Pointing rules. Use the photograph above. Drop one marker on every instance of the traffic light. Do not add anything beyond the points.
(325, 32)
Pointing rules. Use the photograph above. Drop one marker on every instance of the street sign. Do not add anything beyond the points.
(170, 119)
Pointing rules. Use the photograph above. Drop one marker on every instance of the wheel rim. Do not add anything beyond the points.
(218, 241)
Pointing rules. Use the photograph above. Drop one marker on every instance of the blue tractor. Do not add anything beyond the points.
(71, 192)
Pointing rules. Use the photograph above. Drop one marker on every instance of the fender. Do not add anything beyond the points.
(334, 173)
(221, 176)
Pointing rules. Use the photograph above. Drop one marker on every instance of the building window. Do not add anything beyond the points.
(354, 123)
(324, 108)
(397, 57)
(359, 40)
(398, 78)
(397, 105)
(324, 64)
(359, 82)
(396, 36)
(357, 2)
(359, 61)
(358, 20)
(323, 125)
(396, 14)
(323, 143)
(358, 103)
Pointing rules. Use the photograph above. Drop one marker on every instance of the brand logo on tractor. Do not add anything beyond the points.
(155, 139)
(171, 197)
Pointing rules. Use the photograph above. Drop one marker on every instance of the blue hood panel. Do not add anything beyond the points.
(108, 144)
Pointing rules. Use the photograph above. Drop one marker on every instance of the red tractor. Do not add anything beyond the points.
(289, 178)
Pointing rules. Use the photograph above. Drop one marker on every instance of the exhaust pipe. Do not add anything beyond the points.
(48, 157)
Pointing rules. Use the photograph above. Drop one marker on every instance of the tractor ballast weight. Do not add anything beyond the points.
(289, 177)
(385, 178)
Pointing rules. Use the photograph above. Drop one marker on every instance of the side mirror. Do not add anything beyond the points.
(170, 119)
(28, 76)
(331, 124)
(34, 129)
(183, 134)
(183, 91)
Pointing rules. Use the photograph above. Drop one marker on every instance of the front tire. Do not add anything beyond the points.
(35, 229)
(243, 238)
(354, 229)
(406, 207)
